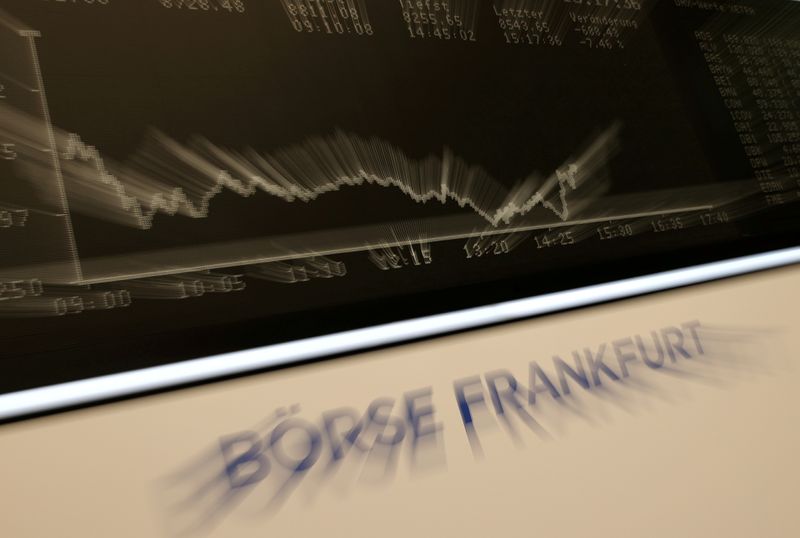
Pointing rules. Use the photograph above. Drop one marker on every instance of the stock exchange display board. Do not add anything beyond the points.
(185, 177)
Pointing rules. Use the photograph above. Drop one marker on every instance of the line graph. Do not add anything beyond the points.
(172, 178)
(166, 177)
(306, 171)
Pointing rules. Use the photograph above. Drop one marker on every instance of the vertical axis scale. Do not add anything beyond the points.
(31, 35)
(46, 248)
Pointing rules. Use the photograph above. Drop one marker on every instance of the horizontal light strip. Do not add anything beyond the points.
(54, 397)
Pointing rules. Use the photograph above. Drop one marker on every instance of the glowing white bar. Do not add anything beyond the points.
(96, 389)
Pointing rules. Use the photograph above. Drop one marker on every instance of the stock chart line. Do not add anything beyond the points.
(136, 193)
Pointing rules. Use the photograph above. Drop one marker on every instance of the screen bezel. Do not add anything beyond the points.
(31, 403)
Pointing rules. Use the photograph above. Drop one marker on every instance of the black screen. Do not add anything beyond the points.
(186, 177)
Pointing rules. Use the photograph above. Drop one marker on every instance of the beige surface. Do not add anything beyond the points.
(709, 449)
